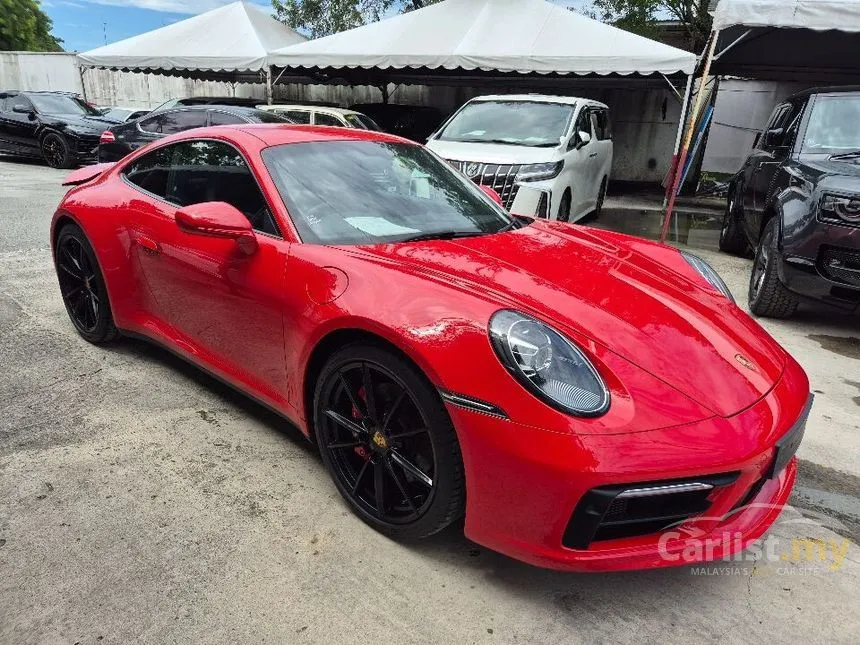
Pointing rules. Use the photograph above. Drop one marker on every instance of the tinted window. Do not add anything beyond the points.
(62, 104)
(521, 123)
(321, 118)
(21, 100)
(368, 192)
(222, 118)
(173, 122)
(360, 121)
(261, 116)
(298, 116)
(211, 171)
(600, 121)
(150, 171)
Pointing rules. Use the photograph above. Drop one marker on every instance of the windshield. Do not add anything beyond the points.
(521, 123)
(61, 104)
(368, 192)
(833, 125)
(360, 121)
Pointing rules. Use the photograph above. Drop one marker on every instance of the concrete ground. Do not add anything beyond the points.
(140, 501)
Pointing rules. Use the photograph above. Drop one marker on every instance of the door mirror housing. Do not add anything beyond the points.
(23, 109)
(492, 194)
(583, 138)
(218, 219)
(773, 137)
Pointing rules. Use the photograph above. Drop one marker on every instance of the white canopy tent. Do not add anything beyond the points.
(232, 42)
(792, 40)
(492, 36)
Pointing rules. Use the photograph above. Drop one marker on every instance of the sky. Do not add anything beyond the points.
(87, 24)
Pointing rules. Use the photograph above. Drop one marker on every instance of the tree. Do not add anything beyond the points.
(324, 17)
(25, 27)
(641, 16)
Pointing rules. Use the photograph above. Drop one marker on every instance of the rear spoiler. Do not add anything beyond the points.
(87, 173)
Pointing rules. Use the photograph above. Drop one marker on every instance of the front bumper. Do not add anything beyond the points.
(807, 264)
(523, 484)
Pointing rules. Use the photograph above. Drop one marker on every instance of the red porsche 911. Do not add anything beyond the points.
(573, 392)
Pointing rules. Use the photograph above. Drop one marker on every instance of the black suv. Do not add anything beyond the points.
(796, 201)
(55, 126)
(122, 139)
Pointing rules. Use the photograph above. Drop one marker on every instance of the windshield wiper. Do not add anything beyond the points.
(854, 154)
(440, 235)
(506, 142)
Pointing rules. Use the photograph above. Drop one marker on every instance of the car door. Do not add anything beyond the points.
(224, 307)
(18, 130)
(580, 165)
(602, 129)
(755, 171)
(774, 146)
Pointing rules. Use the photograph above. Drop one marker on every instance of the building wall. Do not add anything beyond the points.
(645, 120)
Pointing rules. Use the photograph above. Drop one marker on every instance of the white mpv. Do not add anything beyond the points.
(559, 147)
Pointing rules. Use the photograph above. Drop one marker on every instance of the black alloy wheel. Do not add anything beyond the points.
(55, 151)
(82, 286)
(388, 443)
(767, 295)
(564, 207)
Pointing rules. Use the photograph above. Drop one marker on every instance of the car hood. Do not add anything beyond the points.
(492, 152)
(78, 123)
(834, 174)
(620, 293)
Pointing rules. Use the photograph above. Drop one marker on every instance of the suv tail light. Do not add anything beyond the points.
(107, 137)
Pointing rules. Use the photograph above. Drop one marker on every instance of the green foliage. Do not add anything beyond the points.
(640, 17)
(323, 17)
(25, 27)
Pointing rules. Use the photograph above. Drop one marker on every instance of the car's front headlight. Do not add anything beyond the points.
(538, 171)
(840, 209)
(708, 273)
(549, 365)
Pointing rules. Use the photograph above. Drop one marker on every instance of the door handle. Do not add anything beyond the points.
(148, 244)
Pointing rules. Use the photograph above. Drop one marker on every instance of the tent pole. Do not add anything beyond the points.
(688, 135)
(685, 105)
(268, 84)
(81, 70)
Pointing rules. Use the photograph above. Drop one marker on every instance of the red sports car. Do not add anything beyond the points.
(573, 392)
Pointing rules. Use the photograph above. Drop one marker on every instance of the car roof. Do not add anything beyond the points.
(234, 109)
(274, 134)
(838, 89)
(538, 98)
(307, 108)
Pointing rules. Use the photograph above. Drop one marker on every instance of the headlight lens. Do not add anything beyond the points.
(840, 209)
(549, 365)
(538, 171)
(708, 273)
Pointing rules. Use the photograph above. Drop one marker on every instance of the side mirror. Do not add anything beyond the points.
(583, 139)
(22, 109)
(218, 219)
(492, 194)
(773, 137)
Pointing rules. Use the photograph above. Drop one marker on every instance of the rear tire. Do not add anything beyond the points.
(56, 152)
(83, 287)
(732, 238)
(768, 297)
(383, 433)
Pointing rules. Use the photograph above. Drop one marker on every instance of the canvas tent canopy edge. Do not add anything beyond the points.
(228, 42)
(494, 36)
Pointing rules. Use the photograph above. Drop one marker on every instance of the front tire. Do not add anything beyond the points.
(388, 442)
(732, 238)
(83, 287)
(768, 297)
(564, 207)
(56, 152)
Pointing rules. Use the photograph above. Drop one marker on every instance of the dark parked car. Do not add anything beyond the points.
(55, 126)
(120, 140)
(796, 201)
(413, 122)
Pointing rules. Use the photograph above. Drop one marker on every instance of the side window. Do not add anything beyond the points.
(299, 116)
(150, 171)
(152, 124)
(583, 121)
(14, 101)
(602, 128)
(321, 118)
(223, 118)
(173, 122)
(212, 171)
(777, 120)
